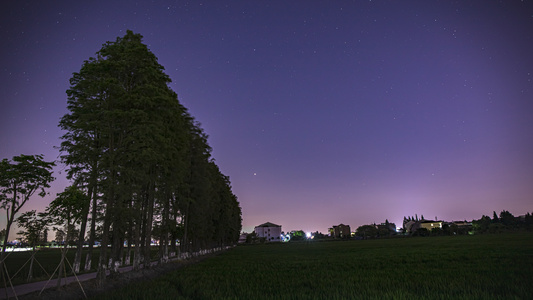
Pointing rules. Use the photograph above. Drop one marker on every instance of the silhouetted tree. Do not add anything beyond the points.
(528, 221)
(421, 232)
(495, 218)
(507, 219)
(33, 226)
(67, 210)
(366, 231)
(297, 235)
(19, 181)
(143, 161)
(482, 225)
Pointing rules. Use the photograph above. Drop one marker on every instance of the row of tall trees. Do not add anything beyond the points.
(140, 166)
(140, 161)
(504, 222)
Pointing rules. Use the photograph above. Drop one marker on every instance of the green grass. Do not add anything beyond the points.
(461, 267)
(46, 262)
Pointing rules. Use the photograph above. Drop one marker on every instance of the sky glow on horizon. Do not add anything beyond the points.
(320, 112)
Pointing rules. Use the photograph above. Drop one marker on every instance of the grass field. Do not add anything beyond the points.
(47, 261)
(457, 267)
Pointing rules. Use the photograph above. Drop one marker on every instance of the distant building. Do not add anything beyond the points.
(270, 231)
(460, 227)
(340, 231)
(429, 225)
(461, 224)
(411, 226)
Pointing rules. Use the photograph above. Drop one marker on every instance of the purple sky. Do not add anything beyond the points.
(321, 112)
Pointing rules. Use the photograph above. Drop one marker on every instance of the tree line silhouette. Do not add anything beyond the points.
(140, 165)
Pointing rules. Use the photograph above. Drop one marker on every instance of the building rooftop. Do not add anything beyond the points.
(268, 224)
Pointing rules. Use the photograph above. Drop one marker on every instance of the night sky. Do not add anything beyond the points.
(321, 112)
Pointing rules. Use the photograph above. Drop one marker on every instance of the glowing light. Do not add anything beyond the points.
(308, 235)
(285, 237)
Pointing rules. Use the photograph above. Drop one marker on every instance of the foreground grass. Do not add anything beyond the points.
(46, 263)
(462, 267)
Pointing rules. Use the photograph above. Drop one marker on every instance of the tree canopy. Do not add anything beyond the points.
(20, 179)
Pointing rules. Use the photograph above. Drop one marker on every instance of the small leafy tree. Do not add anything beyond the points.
(60, 235)
(437, 231)
(251, 238)
(507, 219)
(66, 210)
(19, 181)
(33, 227)
(44, 236)
(481, 225)
(421, 232)
(366, 231)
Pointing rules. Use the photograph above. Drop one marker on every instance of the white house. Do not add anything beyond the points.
(271, 232)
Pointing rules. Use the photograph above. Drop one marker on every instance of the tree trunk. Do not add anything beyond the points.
(81, 237)
(92, 235)
(173, 238)
(137, 253)
(102, 261)
(118, 236)
(148, 226)
(6, 238)
(185, 241)
(142, 224)
(62, 268)
(115, 251)
(127, 259)
(30, 273)
(137, 233)
(163, 245)
(109, 210)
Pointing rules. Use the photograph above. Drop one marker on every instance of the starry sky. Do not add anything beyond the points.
(321, 112)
